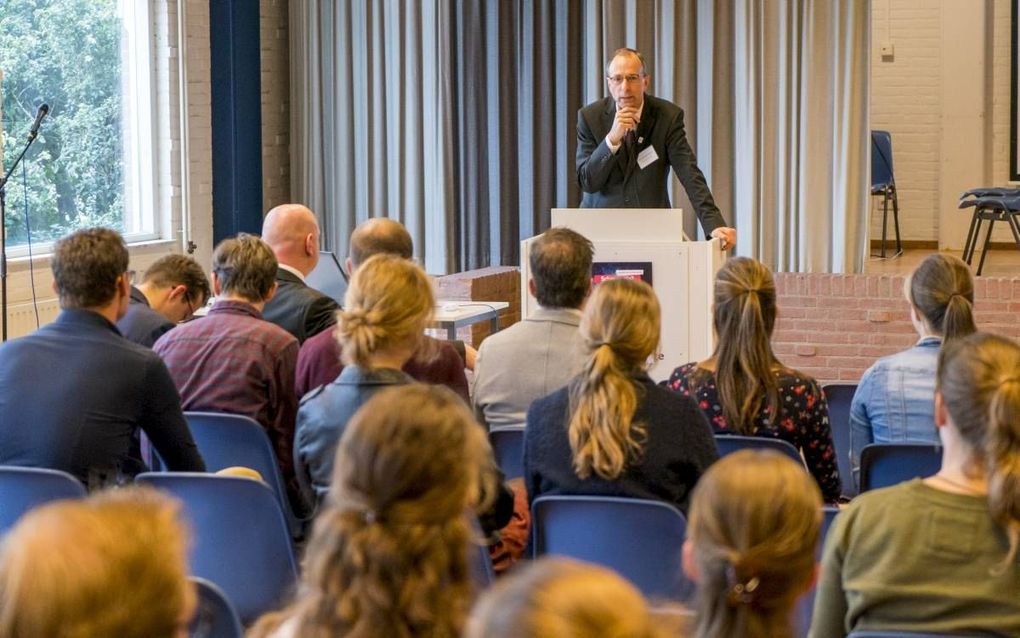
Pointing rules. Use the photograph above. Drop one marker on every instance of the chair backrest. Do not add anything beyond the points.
(22, 488)
(806, 604)
(885, 464)
(240, 539)
(216, 617)
(227, 440)
(508, 447)
(839, 396)
(881, 159)
(641, 540)
(730, 443)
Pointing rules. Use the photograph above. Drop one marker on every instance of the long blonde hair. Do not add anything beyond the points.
(744, 316)
(388, 556)
(979, 380)
(620, 330)
(110, 565)
(941, 288)
(754, 523)
(389, 301)
(562, 598)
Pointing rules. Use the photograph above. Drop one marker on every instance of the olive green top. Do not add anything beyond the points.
(914, 558)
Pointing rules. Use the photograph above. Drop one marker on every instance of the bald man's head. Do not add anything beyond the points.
(379, 235)
(292, 231)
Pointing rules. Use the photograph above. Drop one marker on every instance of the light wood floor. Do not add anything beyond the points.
(999, 263)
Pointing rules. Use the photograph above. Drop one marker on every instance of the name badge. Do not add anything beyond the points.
(647, 156)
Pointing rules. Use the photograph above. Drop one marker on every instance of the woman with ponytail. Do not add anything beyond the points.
(939, 554)
(894, 399)
(744, 389)
(750, 549)
(389, 553)
(612, 431)
(386, 310)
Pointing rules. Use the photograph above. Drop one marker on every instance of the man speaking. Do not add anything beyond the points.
(626, 144)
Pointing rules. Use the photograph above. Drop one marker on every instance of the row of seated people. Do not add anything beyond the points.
(388, 552)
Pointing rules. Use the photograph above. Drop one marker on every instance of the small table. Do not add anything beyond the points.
(451, 315)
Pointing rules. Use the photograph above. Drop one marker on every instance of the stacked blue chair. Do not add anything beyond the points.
(730, 443)
(227, 440)
(641, 540)
(215, 617)
(991, 205)
(240, 539)
(508, 447)
(23, 488)
(887, 464)
(839, 396)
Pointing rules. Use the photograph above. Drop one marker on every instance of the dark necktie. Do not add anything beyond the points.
(630, 144)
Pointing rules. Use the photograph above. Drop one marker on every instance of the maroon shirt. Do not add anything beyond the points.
(319, 363)
(233, 361)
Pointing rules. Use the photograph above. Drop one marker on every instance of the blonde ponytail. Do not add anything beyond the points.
(620, 329)
(389, 301)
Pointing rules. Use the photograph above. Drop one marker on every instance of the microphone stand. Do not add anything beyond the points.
(3, 231)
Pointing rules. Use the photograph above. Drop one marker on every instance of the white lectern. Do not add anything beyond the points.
(649, 244)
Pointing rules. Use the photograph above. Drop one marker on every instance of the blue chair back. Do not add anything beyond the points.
(240, 540)
(508, 447)
(22, 488)
(227, 440)
(730, 443)
(881, 160)
(885, 464)
(215, 617)
(839, 396)
(806, 605)
(641, 540)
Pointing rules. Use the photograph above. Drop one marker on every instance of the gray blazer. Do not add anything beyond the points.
(527, 361)
(617, 181)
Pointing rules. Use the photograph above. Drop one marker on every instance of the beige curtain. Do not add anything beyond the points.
(457, 118)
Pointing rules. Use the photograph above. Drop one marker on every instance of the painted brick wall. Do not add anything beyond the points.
(275, 56)
(830, 326)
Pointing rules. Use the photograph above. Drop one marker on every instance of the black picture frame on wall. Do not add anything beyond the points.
(1014, 125)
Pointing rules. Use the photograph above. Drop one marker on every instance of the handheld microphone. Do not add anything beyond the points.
(43, 110)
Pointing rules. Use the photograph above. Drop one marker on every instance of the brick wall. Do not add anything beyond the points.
(275, 56)
(830, 326)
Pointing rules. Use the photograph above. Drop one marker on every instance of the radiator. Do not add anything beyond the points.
(21, 316)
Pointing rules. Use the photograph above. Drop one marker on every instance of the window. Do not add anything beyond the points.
(94, 162)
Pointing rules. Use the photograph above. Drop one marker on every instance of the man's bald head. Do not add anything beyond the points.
(292, 231)
(379, 235)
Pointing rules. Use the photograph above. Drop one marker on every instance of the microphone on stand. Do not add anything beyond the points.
(43, 110)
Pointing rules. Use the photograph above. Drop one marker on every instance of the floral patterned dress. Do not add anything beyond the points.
(803, 418)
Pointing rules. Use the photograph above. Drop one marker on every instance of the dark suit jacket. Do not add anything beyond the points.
(616, 181)
(299, 309)
(142, 324)
(73, 395)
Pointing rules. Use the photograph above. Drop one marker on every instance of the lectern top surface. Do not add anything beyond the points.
(623, 224)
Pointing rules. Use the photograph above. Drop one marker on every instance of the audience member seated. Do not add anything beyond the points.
(562, 598)
(540, 354)
(320, 361)
(111, 565)
(939, 554)
(231, 360)
(172, 289)
(744, 389)
(388, 554)
(292, 231)
(612, 431)
(895, 399)
(750, 549)
(74, 393)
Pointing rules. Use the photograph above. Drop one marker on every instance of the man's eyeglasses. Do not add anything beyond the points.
(630, 78)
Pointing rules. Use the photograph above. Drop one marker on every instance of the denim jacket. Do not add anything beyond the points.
(895, 400)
